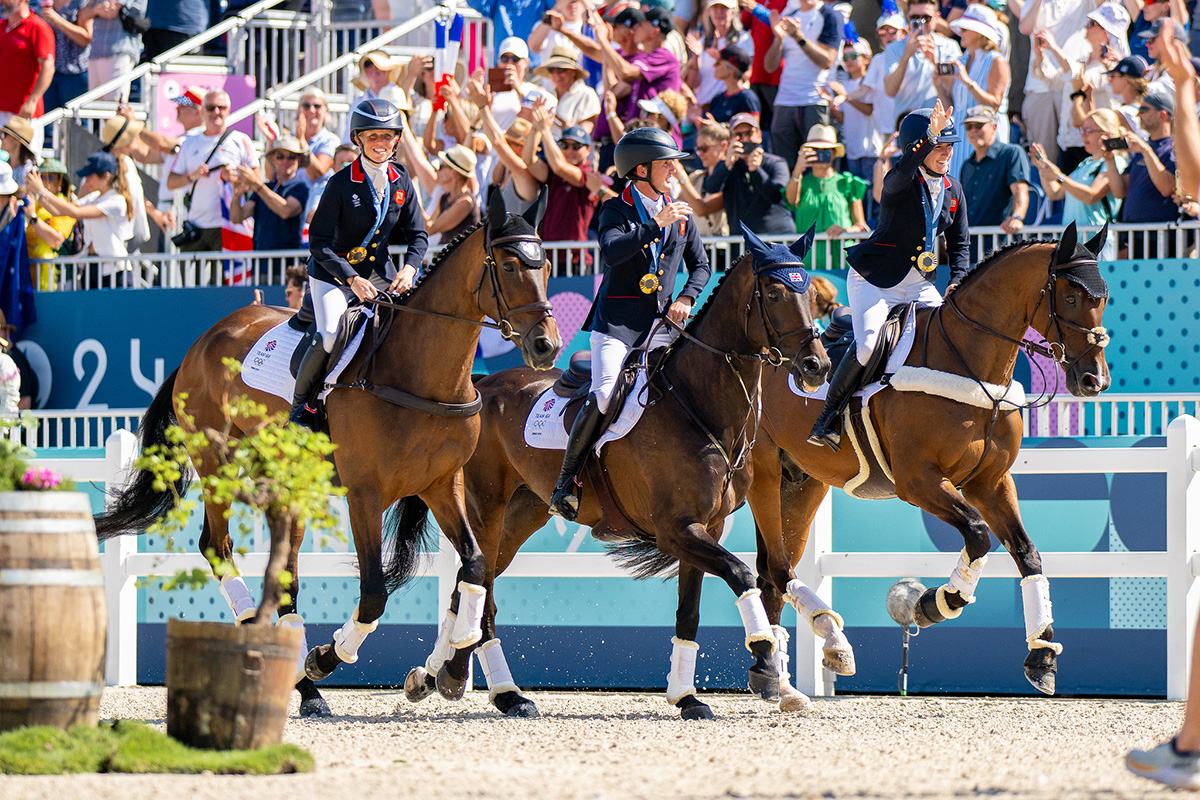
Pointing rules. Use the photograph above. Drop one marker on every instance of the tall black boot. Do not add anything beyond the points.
(584, 432)
(308, 379)
(842, 386)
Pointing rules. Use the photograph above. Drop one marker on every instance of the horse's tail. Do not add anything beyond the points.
(406, 523)
(643, 559)
(139, 504)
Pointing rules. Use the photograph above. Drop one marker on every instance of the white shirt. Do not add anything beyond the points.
(579, 103)
(10, 387)
(916, 91)
(140, 224)
(858, 129)
(936, 185)
(801, 76)
(236, 150)
(1062, 18)
(506, 105)
(710, 86)
(883, 115)
(107, 235)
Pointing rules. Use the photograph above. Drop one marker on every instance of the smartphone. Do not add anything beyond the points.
(824, 155)
(546, 19)
(498, 79)
(1115, 143)
(945, 69)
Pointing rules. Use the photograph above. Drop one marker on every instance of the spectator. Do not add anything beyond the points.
(721, 29)
(512, 17)
(889, 28)
(824, 302)
(312, 118)
(1040, 108)
(544, 38)
(10, 384)
(17, 143)
(712, 143)
(672, 40)
(275, 207)
(202, 167)
(49, 235)
(342, 157)
(663, 112)
(855, 113)
(998, 7)
(513, 55)
(578, 104)
(27, 53)
(1151, 11)
(912, 62)
(1086, 193)
(1159, 79)
(72, 46)
(14, 253)
(655, 69)
(565, 172)
(457, 206)
(808, 42)
(820, 195)
(981, 76)
(510, 176)
(1128, 85)
(1148, 184)
(995, 179)
(295, 281)
(172, 22)
(104, 210)
(735, 96)
(621, 39)
(115, 50)
(377, 76)
(121, 137)
(756, 18)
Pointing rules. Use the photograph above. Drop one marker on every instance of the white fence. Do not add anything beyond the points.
(1179, 563)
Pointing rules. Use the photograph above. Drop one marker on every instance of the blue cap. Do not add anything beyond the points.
(576, 133)
(785, 264)
(97, 163)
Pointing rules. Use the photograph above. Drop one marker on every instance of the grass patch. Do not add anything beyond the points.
(126, 746)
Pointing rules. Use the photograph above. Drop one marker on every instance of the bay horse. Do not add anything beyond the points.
(674, 477)
(408, 450)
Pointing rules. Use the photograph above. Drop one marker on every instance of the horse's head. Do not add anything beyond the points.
(1077, 297)
(519, 273)
(781, 296)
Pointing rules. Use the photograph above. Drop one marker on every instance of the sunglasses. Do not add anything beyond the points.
(311, 106)
(286, 157)
(851, 57)
(974, 126)
(920, 18)
(215, 108)
(565, 145)
(509, 58)
(559, 70)
(704, 148)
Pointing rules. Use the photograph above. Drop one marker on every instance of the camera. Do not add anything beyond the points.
(945, 69)
(824, 155)
(1115, 143)
(188, 234)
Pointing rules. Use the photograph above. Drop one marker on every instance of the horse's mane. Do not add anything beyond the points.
(442, 255)
(998, 255)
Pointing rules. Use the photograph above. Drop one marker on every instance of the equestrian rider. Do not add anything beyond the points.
(363, 209)
(644, 237)
(898, 262)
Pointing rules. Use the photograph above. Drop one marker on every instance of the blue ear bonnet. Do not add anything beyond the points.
(784, 264)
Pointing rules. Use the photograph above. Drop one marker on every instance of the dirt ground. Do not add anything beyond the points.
(598, 745)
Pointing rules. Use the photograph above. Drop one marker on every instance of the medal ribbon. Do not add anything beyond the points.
(656, 248)
(379, 203)
(932, 215)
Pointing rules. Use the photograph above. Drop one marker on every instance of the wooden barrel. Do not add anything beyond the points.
(53, 619)
(228, 685)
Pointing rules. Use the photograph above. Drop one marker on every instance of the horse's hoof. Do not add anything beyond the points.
(512, 704)
(794, 700)
(839, 662)
(764, 687)
(691, 708)
(448, 686)
(315, 707)
(419, 684)
(1042, 679)
(312, 670)
(925, 612)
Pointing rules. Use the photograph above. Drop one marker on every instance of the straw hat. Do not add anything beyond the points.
(519, 130)
(120, 131)
(392, 66)
(561, 58)
(290, 144)
(825, 137)
(461, 159)
(20, 129)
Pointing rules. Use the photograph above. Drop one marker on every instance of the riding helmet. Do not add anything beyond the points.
(375, 114)
(915, 125)
(643, 146)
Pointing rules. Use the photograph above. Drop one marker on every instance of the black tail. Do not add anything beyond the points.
(137, 506)
(406, 523)
(643, 559)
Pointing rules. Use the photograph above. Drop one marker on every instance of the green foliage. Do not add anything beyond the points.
(126, 746)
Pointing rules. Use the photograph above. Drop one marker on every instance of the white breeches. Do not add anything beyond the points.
(329, 304)
(608, 356)
(869, 306)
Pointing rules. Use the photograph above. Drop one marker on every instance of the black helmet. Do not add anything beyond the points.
(375, 114)
(642, 146)
(915, 125)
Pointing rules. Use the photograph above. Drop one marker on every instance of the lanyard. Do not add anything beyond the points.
(379, 203)
(932, 215)
(655, 248)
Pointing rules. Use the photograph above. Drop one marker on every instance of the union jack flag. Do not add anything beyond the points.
(549, 404)
(270, 346)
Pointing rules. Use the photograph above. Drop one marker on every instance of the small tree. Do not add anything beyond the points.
(282, 470)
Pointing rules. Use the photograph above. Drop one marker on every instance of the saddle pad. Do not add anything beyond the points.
(268, 368)
(544, 426)
(895, 362)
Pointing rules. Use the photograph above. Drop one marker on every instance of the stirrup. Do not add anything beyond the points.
(304, 415)
(565, 500)
(826, 437)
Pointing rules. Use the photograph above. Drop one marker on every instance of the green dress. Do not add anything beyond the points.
(825, 202)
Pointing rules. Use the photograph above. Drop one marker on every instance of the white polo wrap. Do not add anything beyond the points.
(681, 680)
(236, 593)
(965, 577)
(495, 669)
(782, 653)
(348, 638)
(809, 606)
(442, 647)
(1035, 596)
(296, 621)
(468, 627)
(754, 618)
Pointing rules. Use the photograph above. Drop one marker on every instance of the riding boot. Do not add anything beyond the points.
(842, 386)
(308, 379)
(584, 432)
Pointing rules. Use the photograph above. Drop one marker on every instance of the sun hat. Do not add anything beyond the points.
(20, 129)
(655, 105)
(981, 20)
(1113, 18)
(561, 57)
(825, 137)
(7, 184)
(290, 144)
(514, 45)
(461, 159)
(392, 66)
(984, 114)
(120, 131)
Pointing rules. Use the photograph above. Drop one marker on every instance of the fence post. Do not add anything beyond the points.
(1183, 541)
(810, 675)
(120, 590)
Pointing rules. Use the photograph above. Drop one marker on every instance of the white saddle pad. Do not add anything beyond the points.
(268, 365)
(895, 362)
(544, 425)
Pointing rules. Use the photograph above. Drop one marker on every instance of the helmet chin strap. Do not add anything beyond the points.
(649, 181)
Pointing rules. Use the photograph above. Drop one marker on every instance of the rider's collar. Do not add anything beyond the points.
(359, 166)
(931, 177)
(630, 190)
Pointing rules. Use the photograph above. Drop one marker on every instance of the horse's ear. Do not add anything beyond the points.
(497, 214)
(1066, 245)
(533, 215)
(757, 247)
(1096, 244)
(803, 245)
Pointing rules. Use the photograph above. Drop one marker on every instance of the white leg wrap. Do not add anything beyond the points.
(965, 577)
(296, 621)
(782, 653)
(348, 638)
(468, 627)
(237, 594)
(442, 647)
(1035, 596)
(681, 679)
(754, 618)
(495, 669)
(809, 606)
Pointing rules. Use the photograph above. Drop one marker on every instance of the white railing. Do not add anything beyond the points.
(75, 429)
(1179, 563)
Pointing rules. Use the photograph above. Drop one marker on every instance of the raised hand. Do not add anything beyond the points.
(940, 118)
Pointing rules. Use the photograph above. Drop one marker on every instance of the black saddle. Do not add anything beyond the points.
(838, 339)
(575, 383)
(305, 321)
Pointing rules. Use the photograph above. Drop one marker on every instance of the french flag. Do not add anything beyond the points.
(449, 40)
(235, 236)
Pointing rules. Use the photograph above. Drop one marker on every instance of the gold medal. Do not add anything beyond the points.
(649, 283)
(357, 255)
(927, 261)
